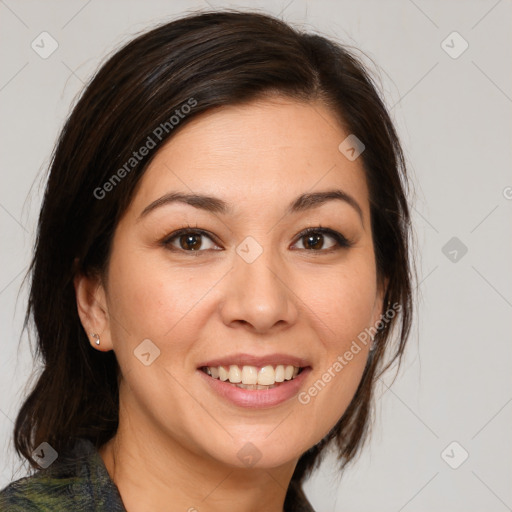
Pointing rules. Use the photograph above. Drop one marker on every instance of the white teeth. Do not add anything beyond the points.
(253, 376)
(266, 376)
(250, 375)
(235, 375)
(288, 372)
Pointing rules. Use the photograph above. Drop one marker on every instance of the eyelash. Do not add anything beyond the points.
(341, 241)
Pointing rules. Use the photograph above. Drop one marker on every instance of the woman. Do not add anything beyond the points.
(220, 276)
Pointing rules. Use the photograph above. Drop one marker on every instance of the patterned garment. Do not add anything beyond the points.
(78, 481)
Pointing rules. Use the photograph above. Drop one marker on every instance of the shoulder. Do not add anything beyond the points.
(38, 492)
(77, 480)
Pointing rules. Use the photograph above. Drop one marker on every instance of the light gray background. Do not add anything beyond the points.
(454, 119)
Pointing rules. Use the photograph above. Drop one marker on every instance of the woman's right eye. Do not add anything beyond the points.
(186, 240)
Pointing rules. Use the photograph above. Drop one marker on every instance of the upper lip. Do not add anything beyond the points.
(259, 361)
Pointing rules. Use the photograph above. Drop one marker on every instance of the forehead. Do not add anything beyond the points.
(256, 155)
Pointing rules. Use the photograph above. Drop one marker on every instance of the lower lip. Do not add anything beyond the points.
(257, 398)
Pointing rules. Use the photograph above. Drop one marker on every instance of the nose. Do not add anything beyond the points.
(259, 294)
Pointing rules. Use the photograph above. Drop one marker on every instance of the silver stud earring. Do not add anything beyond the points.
(97, 338)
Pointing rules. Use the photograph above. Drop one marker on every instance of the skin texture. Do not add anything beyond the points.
(177, 441)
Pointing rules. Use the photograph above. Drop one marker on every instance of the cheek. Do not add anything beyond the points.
(344, 306)
(343, 300)
(150, 298)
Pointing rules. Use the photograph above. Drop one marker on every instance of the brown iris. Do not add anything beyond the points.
(192, 241)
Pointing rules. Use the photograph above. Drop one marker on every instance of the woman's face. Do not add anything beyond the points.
(250, 284)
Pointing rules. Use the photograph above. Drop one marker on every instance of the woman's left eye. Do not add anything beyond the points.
(315, 237)
(189, 240)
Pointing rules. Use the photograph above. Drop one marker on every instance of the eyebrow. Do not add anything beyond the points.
(304, 202)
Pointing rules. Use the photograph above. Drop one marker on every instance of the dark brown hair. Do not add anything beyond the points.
(215, 58)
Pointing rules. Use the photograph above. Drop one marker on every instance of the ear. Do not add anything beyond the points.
(92, 309)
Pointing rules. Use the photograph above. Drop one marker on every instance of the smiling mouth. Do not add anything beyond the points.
(252, 377)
